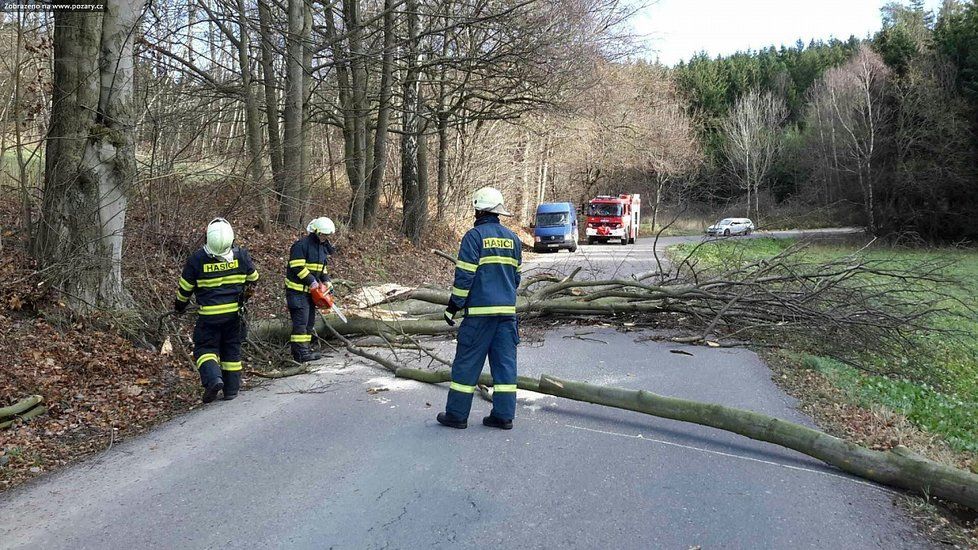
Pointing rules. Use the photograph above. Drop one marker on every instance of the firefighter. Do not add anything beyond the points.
(307, 269)
(487, 275)
(222, 276)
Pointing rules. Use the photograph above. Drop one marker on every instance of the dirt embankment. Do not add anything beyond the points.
(99, 386)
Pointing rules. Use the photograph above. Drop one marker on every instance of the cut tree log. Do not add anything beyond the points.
(897, 468)
(36, 411)
(21, 406)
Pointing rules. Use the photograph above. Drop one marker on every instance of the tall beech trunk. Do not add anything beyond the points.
(358, 80)
(413, 184)
(252, 116)
(90, 162)
(304, 125)
(290, 210)
(442, 173)
(379, 157)
(269, 83)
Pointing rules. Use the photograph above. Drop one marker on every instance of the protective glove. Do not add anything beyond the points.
(179, 306)
(450, 314)
(315, 284)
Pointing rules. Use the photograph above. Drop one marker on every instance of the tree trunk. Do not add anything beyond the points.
(271, 100)
(90, 156)
(252, 122)
(307, 53)
(290, 211)
(26, 207)
(748, 198)
(345, 95)
(898, 467)
(421, 206)
(358, 73)
(379, 159)
(442, 164)
(410, 129)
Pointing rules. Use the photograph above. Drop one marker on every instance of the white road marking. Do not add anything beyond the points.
(741, 457)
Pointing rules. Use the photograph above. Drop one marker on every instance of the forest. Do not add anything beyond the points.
(399, 109)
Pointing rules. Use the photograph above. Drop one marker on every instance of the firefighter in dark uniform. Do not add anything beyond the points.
(487, 275)
(222, 276)
(307, 269)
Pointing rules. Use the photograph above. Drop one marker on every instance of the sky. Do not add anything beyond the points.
(677, 29)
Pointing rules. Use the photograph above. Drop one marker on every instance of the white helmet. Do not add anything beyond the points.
(220, 237)
(321, 226)
(489, 199)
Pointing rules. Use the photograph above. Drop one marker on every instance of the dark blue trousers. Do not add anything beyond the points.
(217, 350)
(495, 337)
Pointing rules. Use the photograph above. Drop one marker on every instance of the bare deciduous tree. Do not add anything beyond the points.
(752, 133)
(855, 93)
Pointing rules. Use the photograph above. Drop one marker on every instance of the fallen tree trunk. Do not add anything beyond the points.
(279, 331)
(897, 468)
(21, 406)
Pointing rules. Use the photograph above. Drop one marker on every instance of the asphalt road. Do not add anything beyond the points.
(318, 461)
(605, 261)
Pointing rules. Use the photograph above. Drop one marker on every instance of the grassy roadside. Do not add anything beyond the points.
(928, 402)
(937, 389)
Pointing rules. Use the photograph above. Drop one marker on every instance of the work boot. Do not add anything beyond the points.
(302, 354)
(496, 422)
(232, 383)
(210, 393)
(446, 420)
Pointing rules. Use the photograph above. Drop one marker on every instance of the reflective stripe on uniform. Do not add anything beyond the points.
(300, 338)
(230, 365)
(491, 310)
(315, 267)
(304, 273)
(296, 286)
(218, 309)
(504, 388)
(221, 281)
(462, 388)
(297, 263)
(506, 260)
(185, 284)
(252, 277)
(207, 357)
(459, 292)
(466, 266)
(181, 297)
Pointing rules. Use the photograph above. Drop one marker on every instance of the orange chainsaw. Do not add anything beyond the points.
(322, 297)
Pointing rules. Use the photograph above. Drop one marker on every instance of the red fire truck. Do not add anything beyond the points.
(610, 217)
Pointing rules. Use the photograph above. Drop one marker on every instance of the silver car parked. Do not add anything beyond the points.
(731, 226)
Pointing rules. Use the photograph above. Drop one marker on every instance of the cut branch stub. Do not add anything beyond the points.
(21, 406)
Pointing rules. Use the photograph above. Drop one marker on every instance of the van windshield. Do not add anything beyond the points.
(553, 219)
(604, 209)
